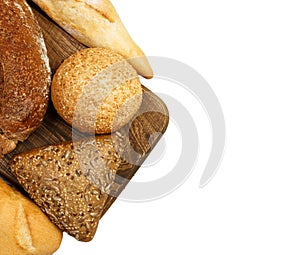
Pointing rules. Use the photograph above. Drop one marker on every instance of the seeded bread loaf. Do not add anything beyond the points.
(24, 74)
(96, 91)
(96, 23)
(24, 228)
(71, 182)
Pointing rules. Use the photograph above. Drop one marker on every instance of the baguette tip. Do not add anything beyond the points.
(142, 66)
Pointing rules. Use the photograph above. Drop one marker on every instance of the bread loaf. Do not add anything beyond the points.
(96, 23)
(96, 91)
(24, 74)
(70, 182)
(24, 228)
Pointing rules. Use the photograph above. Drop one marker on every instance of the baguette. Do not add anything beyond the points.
(96, 23)
(24, 228)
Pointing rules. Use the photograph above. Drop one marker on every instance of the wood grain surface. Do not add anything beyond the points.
(142, 133)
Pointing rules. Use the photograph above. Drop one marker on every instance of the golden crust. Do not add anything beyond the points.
(96, 91)
(24, 228)
(96, 23)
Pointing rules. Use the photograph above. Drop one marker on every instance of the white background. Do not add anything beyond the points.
(249, 52)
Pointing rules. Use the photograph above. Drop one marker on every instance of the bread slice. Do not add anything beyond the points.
(71, 182)
(96, 23)
(24, 228)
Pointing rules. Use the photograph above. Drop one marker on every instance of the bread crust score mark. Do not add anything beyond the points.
(24, 228)
(105, 14)
(23, 234)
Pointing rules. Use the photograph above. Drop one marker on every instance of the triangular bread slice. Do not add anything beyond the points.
(96, 23)
(71, 182)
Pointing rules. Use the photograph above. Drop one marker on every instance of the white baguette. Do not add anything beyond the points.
(96, 23)
(24, 228)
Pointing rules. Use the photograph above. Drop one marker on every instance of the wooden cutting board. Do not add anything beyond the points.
(151, 121)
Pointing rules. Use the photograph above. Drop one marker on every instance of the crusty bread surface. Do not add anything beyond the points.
(24, 74)
(96, 91)
(71, 181)
(96, 23)
(24, 228)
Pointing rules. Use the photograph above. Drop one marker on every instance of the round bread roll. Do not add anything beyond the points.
(96, 90)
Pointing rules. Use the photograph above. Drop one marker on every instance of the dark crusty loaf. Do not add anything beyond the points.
(24, 74)
(71, 181)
